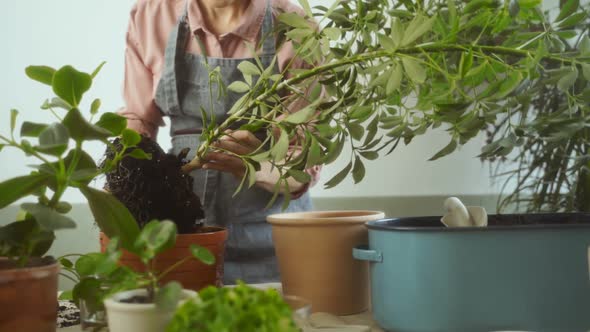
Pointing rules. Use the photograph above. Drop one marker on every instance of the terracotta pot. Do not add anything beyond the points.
(192, 274)
(134, 317)
(314, 250)
(28, 296)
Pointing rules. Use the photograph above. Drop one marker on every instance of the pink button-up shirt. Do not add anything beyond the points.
(150, 25)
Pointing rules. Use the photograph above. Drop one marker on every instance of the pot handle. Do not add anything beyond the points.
(363, 253)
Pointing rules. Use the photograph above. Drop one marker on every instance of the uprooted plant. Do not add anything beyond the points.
(154, 188)
(393, 70)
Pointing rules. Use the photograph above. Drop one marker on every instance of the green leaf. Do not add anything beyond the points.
(314, 156)
(66, 263)
(395, 79)
(139, 154)
(301, 116)
(112, 217)
(358, 172)
(585, 46)
(251, 175)
(97, 70)
(306, 7)
(445, 151)
(568, 80)
(281, 147)
(572, 21)
(370, 155)
(248, 68)
(25, 238)
(112, 122)
(299, 176)
(130, 137)
(31, 129)
(238, 87)
(48, 219)
(508, 85)
(387, 43)
(70, 84)
(66, 296)
(332, 33)
(168, 296)
(294, 20)
(414, 70)
(334, 181)
(334, 151)
(15, 188)
(356, 130)
(56, 102)
(417, 27)
(95, 106)
(43, 74)
(586, 70)
(81, 130)
(397, 31)
(154, 238)
(567, 9)
(203, 254)
(13, 115)
(54, 138)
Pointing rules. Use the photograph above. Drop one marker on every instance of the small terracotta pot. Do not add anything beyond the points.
(314, 250)
(192, 274)
(28, 296)
(133, 317)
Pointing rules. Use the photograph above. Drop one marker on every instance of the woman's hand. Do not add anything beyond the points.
(239, 142)
(243, 142)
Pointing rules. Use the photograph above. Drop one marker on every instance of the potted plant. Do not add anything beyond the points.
(134, 301)
(28, 279)
(157, 188)
(239, 308)
(391, 72)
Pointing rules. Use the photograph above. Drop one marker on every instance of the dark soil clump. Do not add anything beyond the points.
(156, 188)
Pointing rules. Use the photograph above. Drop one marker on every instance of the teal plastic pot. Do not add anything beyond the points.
(521, 273)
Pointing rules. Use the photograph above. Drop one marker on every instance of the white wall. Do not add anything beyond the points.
(85, 32)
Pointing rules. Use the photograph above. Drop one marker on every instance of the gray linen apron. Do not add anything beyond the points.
(182, 90)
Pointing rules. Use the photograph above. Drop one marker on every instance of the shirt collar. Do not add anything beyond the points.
(249, 27)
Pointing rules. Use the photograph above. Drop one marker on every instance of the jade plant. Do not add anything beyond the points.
(62, 163)
(99, 275)
(240, 308)
(381, 72)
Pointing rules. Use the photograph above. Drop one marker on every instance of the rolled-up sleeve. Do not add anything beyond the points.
(140, 109)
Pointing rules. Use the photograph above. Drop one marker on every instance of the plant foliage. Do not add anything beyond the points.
(232, 309)
(382, 72)
(62, 163)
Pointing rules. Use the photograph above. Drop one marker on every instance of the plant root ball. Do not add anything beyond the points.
(154, 188)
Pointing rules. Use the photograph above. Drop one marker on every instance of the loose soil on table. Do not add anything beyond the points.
(156, 188)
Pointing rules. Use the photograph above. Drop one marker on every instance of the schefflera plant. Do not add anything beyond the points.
(393, 70)
(62, 163)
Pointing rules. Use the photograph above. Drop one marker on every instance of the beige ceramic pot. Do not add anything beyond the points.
(314, 250)
(133, 317)
(28, 296)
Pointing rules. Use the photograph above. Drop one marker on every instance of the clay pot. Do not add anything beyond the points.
(314, 251)
(192, 274)
(134, 317)
(28, 296)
